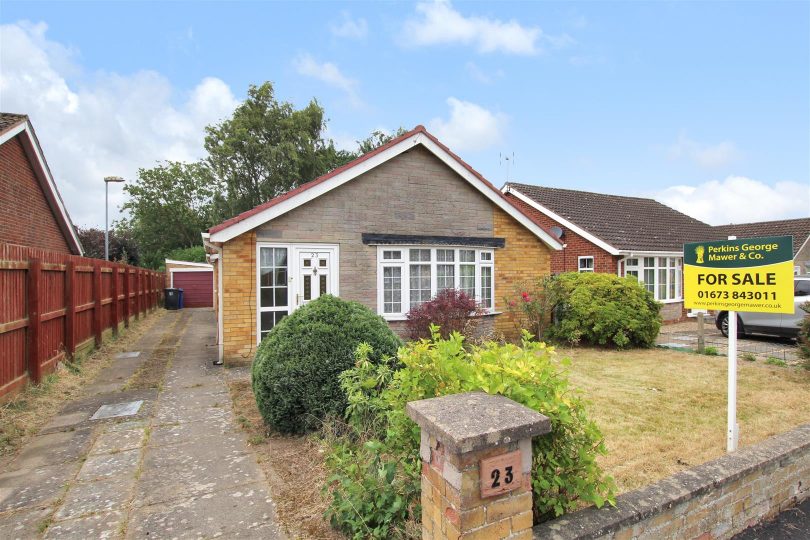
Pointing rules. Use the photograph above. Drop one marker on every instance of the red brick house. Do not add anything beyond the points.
(799, 229)
(31, 211)
(617, 235)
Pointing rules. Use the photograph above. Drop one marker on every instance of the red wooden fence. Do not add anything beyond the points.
(52, 303)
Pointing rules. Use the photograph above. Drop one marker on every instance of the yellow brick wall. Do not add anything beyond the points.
(239, 299)
(524, 257)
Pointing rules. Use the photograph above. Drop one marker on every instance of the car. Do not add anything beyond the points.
(775, 324)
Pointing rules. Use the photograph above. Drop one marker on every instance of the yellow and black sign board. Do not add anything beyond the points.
(749, 274)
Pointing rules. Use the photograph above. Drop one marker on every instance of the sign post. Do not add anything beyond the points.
(748, 274)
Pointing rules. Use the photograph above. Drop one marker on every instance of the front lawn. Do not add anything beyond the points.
(662, 411)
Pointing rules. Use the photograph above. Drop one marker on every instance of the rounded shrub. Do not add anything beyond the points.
(604, 309)
(296, 369)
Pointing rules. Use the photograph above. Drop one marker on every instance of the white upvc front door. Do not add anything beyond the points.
(289, 276)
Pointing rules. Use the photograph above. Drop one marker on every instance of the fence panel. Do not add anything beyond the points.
(52, 303)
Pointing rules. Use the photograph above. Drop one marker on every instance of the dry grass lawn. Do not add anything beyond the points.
(663, 411)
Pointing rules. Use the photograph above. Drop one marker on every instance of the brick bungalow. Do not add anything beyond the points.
(388, 230)
(616, 235)
(799, 229)
(31, 211)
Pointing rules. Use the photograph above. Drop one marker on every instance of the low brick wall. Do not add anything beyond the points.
(715, 500)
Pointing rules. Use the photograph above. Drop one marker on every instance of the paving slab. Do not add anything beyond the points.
(188, 432)
(119, 440)
(103, 496)
(243, 512)
(180, 414)
(23, 524)
(109, 465)
(97, 526)
(34, 487)
(188, 470)
(52, 449)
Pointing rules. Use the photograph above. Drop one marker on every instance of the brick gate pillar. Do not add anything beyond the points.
(476, 455)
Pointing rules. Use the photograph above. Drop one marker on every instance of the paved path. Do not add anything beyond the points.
(178, 468)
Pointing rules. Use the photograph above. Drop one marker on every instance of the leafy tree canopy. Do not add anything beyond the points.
(123, 247)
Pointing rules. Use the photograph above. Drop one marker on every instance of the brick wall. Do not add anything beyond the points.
(712, 501)
(25, 217)
(525, 257)
(576, 246)
(239, 298)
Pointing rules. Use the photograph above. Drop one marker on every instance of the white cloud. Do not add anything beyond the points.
(709, 156)
(738, 199)
(439, 23)
(470, 126)
(328, 73)
(348, 27)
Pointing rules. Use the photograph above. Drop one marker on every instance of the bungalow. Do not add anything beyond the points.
(388, 230)
(618, 235)
(799, 229)
(31, 211)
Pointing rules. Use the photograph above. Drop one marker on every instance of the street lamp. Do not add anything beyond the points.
(107, 180)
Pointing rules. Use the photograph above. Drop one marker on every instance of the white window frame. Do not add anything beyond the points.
(586, 258)
(404, 264)
(293, 274)
(659, 263)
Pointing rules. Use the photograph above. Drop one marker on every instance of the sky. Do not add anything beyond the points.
(704, 106)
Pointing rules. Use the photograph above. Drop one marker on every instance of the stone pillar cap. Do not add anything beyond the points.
(476, 420)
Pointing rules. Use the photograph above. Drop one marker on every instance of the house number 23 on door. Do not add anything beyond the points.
(500, 474)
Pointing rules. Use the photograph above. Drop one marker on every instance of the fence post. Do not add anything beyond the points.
(115, 311)
(97, 296)
(70, 309)
(137, 294)
(34, 365)
(476, 455)
(127, 299)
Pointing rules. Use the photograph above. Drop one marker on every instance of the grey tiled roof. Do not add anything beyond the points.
(799, 229)
(8, 120)
(626, 223)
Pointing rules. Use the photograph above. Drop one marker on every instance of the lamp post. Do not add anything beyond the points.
(107, 180)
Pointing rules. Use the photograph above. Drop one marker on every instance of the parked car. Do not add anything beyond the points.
(776, 324)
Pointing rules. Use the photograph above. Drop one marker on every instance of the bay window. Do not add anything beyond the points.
(409, 276)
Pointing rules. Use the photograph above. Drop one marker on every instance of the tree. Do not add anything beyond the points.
(123, 247)
(267, 148)
(169, 206)
(377, 139)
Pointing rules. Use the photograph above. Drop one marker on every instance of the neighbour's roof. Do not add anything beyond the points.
(625, 223)
(18, 125)
(799, 229)
(418, 135)
(9, 120)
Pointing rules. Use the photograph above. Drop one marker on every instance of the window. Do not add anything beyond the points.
(586, 264)
(425, 271)
(660, 275)
(273, 304)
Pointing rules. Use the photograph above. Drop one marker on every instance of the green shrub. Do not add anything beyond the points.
(565, 472)
(773, 361)
(296, 369)
(604, 309)
(711, 351)
(804, 336)
(749, 357)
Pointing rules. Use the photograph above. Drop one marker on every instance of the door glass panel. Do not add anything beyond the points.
(267, 277)
(323, 285)
(281, 296)
(280, 277)
(322, 263)
(307, 262)
(267, 297)
(273, 278)
(307, 287)
(281, 256)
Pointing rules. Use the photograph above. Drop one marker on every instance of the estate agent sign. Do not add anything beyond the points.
(749, 274)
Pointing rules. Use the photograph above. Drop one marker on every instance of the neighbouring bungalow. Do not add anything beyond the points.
(32, 213)
(626, 236)
(799, 229)
(388, 230)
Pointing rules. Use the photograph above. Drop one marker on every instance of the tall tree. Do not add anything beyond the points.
(267, 148)
(169, 206)
(123, 247)
(377, 139)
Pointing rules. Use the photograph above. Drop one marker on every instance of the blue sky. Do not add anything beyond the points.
(704, 106)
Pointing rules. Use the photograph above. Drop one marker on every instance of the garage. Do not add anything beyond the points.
(196, 280)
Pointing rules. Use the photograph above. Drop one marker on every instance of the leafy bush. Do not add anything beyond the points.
(296, 369)
(711, 351)
(531, 305)
(604, 309)
(804, 336)
(565, 472)
(451, 310)
(773, 361)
